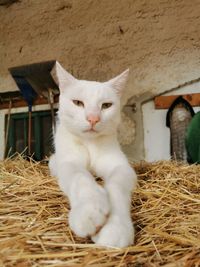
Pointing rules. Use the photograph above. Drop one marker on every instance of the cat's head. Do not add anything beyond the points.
(89, 108)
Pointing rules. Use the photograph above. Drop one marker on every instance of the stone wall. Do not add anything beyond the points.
(97, 39)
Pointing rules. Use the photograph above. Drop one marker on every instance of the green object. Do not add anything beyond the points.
(41, 141)
(193, 139)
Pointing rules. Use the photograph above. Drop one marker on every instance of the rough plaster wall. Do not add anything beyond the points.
(158, 39)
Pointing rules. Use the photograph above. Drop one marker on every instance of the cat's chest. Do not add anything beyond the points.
(92, 153)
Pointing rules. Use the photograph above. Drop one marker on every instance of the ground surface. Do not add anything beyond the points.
(34, 229)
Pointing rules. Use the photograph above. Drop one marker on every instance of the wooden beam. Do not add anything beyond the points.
(164, 102)
(22, 103)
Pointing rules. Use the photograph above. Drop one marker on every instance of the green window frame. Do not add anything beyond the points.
(37, 125)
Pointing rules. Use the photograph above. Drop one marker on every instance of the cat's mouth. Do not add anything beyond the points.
(91, 130)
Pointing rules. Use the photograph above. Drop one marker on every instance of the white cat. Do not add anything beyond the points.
(86, 144)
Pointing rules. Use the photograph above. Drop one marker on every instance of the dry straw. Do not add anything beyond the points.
(34, 229)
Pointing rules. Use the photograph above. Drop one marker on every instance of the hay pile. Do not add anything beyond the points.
(34, 230)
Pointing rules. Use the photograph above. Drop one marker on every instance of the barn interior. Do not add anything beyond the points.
(159, 41)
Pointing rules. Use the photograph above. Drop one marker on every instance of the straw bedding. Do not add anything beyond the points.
(34, 229)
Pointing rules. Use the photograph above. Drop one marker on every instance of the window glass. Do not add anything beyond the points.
(19, 135)
(46, 135)
(41, 134)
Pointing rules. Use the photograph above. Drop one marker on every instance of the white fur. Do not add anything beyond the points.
(81, 153)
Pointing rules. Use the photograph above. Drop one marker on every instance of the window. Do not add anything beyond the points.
(41, 134)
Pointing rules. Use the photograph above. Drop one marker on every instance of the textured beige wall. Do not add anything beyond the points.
(158, 39)
(96, 39)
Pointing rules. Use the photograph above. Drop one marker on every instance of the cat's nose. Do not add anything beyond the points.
(93, 119)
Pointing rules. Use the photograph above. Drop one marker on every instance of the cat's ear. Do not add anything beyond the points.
(119, 82)
(61, 76)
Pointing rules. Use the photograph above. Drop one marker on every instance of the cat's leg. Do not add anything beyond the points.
(89, 201)
(119, 182)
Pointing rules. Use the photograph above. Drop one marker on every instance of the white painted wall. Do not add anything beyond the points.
(14, 111)
(156, 134)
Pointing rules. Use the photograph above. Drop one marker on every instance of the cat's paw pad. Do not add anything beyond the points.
(87, 218)
(117, 232)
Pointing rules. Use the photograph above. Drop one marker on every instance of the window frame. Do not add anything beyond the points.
(36, 115)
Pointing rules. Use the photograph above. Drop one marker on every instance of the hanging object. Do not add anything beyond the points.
(7, 128)
(29, 95)
(39, 79)
(178, 118)
(34, 80)
(193, 139)
(38, 76)
(51, 103)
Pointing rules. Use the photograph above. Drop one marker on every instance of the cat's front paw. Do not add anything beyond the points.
(87, 217)
(117, 232)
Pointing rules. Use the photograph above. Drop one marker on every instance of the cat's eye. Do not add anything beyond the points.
(78, 103)
(106, 105)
